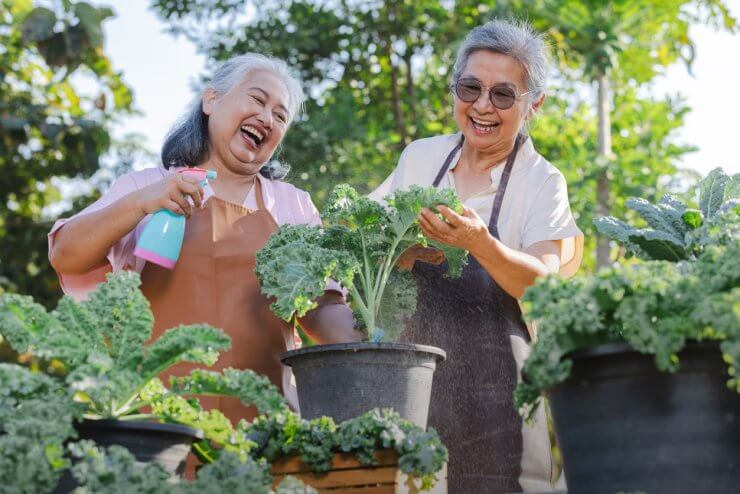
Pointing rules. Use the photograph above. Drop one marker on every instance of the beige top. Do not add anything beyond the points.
(535, 206)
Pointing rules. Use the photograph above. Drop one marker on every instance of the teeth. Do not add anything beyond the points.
(483, 122)
(254, 131)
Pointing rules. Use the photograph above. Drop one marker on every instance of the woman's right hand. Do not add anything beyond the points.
(170, 193)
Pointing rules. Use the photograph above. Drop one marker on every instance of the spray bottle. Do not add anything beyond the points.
(161, 240)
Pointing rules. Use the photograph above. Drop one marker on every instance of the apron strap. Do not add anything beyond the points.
(446, 165)
(258, 193)
(499, 199)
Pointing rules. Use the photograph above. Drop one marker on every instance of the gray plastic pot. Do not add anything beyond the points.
(345, 380)
(624, 426)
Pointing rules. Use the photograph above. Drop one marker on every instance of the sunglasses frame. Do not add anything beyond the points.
(482, 88)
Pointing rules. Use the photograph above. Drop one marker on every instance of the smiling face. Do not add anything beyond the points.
(485, 127)
(246, 124)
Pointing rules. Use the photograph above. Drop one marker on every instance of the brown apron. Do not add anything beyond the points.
(213, 282)
(480, 326)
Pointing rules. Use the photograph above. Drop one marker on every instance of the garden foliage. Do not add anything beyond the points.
(358, 247)
(655, 305)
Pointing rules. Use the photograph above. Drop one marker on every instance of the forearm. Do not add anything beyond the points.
(331, 321)
(83, 243)
(513, 270)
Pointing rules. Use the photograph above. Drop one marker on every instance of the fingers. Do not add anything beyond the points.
(174, 207)
(193, 190)
(435, 223)
(452, 217)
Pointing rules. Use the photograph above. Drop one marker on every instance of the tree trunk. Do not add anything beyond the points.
(604, 155)
(395, 97)
(410, 96)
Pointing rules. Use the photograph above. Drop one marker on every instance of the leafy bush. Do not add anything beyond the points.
(421, 453)
(656, 305)
(101, 347)
(359, 248)
(676, 232)
(36, 414)
(114, 471)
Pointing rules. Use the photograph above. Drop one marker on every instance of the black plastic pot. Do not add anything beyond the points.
(348, 379)
(167, 445)
(622, 425)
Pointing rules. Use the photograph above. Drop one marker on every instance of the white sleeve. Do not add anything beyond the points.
(550, 218)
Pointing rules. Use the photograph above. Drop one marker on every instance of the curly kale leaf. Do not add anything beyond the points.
(654, 306)
(294, 268)
(289, 435)
(291, 485)
(231, 474)
(246, 385)
(397, 304)
(200, 344)
(114, 470)
(23, 322)
(36, 416)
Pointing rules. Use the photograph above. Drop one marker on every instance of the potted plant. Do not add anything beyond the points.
(358, 247)
(631, 358)
(100, 348)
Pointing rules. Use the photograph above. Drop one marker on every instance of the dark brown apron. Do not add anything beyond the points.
(473, 319)
(214, 282)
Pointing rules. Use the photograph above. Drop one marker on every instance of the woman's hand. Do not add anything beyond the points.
(170, 193)
(465, 231)
(418, 252)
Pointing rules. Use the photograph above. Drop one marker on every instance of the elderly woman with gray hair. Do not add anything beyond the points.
(517, 226)
(233, 128)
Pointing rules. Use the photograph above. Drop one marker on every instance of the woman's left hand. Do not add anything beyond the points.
(465, 231)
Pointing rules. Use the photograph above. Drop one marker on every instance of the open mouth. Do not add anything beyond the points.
(483, 125)
(252, 135)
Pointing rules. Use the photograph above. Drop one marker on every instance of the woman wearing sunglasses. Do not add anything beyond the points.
(517, 226)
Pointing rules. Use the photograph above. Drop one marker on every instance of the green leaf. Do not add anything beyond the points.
(659, 245)
(712, 192)
(200, 344)
(397, 304)
(692, 218)
(91, 18)
(250, 388)
(38, 25)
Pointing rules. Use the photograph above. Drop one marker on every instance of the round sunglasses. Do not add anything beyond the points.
(502, 97)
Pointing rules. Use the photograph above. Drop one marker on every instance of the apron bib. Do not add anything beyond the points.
(214, 282)
(480, 326)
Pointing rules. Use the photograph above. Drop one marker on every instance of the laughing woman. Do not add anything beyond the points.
(233, 128)
(517, 226)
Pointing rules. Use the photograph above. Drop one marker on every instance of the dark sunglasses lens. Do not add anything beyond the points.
(467, 91)
(502, 98)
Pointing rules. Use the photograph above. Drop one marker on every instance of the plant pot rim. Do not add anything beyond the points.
(143, 425)
(623, 347)
(363, 346)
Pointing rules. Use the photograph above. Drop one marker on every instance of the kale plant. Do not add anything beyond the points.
(676, 232)
(102, 348)
(36, 415)
(358, 247)
(115, 471)
(421, 454)
(655, 306)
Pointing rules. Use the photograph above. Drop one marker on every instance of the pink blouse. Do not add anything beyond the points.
(286, 203)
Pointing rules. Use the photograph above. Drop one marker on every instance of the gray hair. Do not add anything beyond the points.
(187, 141)
(517, 40)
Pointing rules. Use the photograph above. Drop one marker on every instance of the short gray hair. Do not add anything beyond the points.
(187, 141)
(517, 40)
